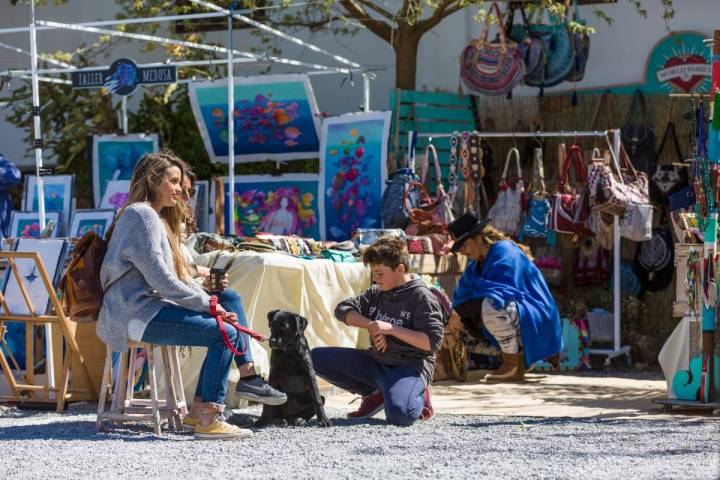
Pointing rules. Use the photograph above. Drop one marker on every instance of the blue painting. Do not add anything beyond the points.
(58, 194)
(286, 205)
(276, 118)
(353, 166)
(115, 157)
(85, 221)
(27, 224)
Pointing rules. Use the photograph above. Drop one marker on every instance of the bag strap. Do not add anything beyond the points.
(672, 134)
(426, 198)
(538, 173)
(512, 152)
(605, 99)
(637, 113)
(574, 156)
(436, 162)
(486, 28)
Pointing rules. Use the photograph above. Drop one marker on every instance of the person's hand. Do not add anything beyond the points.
(229, 317)
(455, 322)
(379, 328)
(380, 343)
(203, 271)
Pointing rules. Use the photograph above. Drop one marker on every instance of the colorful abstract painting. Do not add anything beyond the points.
(84, 221)
(276, 118)
(114, 158)
(27, 224)
(285, 205)
(353, 170)
(116, 195)
(58, 193)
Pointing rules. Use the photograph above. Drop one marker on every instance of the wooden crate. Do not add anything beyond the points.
(446, 269)
(680, 306)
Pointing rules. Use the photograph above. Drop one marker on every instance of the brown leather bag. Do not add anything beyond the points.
(451, 359)
(81, 287)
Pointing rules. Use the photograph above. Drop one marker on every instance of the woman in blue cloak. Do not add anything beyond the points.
(502, 283)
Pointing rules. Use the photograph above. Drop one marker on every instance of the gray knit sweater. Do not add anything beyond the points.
(139, 278)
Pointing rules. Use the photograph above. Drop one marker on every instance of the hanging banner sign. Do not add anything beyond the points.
(123, 77)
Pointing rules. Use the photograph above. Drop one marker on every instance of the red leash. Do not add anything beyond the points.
(221, 326)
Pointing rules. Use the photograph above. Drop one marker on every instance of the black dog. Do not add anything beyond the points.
(291, 371)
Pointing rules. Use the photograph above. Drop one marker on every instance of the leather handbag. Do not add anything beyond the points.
(492, 68)
(638, 135)
(570, 212)
(538, 214)
(612, 192)
(505, 212)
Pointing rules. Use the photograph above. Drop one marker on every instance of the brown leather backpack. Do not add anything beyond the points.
(81, 287)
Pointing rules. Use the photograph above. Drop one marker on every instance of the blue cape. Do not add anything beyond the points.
(508, 274)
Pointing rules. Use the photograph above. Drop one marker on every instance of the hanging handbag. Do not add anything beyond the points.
(580, 45)
(612, 192)
(570, 212)
(636, 224)
(538, 214)
(667, 177)
(559, 57)
(530, 46)
(638, 135)
(505, 213)
(492, 68)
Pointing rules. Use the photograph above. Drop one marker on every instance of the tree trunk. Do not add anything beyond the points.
(406, 50)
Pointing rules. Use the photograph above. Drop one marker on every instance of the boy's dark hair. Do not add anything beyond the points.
(388, 251)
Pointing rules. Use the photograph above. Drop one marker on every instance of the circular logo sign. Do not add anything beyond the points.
(122, 78)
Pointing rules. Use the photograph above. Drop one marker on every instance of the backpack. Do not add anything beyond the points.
(81, 287)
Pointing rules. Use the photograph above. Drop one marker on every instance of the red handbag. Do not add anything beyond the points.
(570, 207)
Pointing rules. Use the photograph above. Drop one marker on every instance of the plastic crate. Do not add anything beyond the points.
(600, 325)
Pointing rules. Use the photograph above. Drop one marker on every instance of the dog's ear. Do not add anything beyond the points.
(301, 323)
(271, 315)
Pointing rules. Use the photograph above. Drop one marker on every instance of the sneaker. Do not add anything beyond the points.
(219, 430)
(370, 406)
(256, 390)
(189, 423)
(427, 411)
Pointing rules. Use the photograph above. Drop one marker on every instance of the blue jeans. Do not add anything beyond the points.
(354, 370)
(175, 325)
(231, 301)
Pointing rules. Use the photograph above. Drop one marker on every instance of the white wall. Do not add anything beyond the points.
(617, 53)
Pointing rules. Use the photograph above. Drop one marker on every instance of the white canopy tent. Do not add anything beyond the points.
(346, 67)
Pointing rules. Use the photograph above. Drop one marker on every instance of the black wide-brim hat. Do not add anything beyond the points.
(464, 227)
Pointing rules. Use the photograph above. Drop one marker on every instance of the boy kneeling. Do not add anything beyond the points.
(405, 323)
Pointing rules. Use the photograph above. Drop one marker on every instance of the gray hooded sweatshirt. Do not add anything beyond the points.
(411, 305)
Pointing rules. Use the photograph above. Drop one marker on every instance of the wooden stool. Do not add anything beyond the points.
(125, 408)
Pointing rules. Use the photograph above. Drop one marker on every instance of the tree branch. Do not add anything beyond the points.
(445, 9)
(378, 27)
(377, 9)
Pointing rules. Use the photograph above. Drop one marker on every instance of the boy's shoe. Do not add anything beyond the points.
(219, 430)
(256, 390)
(370, 406)
(427, 411)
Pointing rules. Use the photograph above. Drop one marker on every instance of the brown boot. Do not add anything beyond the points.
(511, 370)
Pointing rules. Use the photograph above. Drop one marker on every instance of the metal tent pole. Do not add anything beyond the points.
(49, 354)
(366, 92)
(231, 125)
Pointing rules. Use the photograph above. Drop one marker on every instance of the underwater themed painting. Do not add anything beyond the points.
(114, 158)
(353, 170)
(284, 205)
(276, 118)
(59, 192)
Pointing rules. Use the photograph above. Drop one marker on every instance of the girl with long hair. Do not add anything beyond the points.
(149, 295)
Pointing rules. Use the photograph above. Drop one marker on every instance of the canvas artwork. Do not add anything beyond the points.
(285, 205)
(84, 221)
(59, 192)
(353, 170)
(115, 156)
(27, 224)
(276, 118)
(201, 205)
(116, 195)
(52, 253)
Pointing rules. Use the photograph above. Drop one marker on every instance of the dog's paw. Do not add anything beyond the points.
(324, 422)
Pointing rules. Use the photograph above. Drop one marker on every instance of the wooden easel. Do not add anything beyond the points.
(29, 390)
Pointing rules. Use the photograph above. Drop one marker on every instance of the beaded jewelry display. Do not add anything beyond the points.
(454, 148)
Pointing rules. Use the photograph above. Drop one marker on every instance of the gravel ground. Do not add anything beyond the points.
(48, 445)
